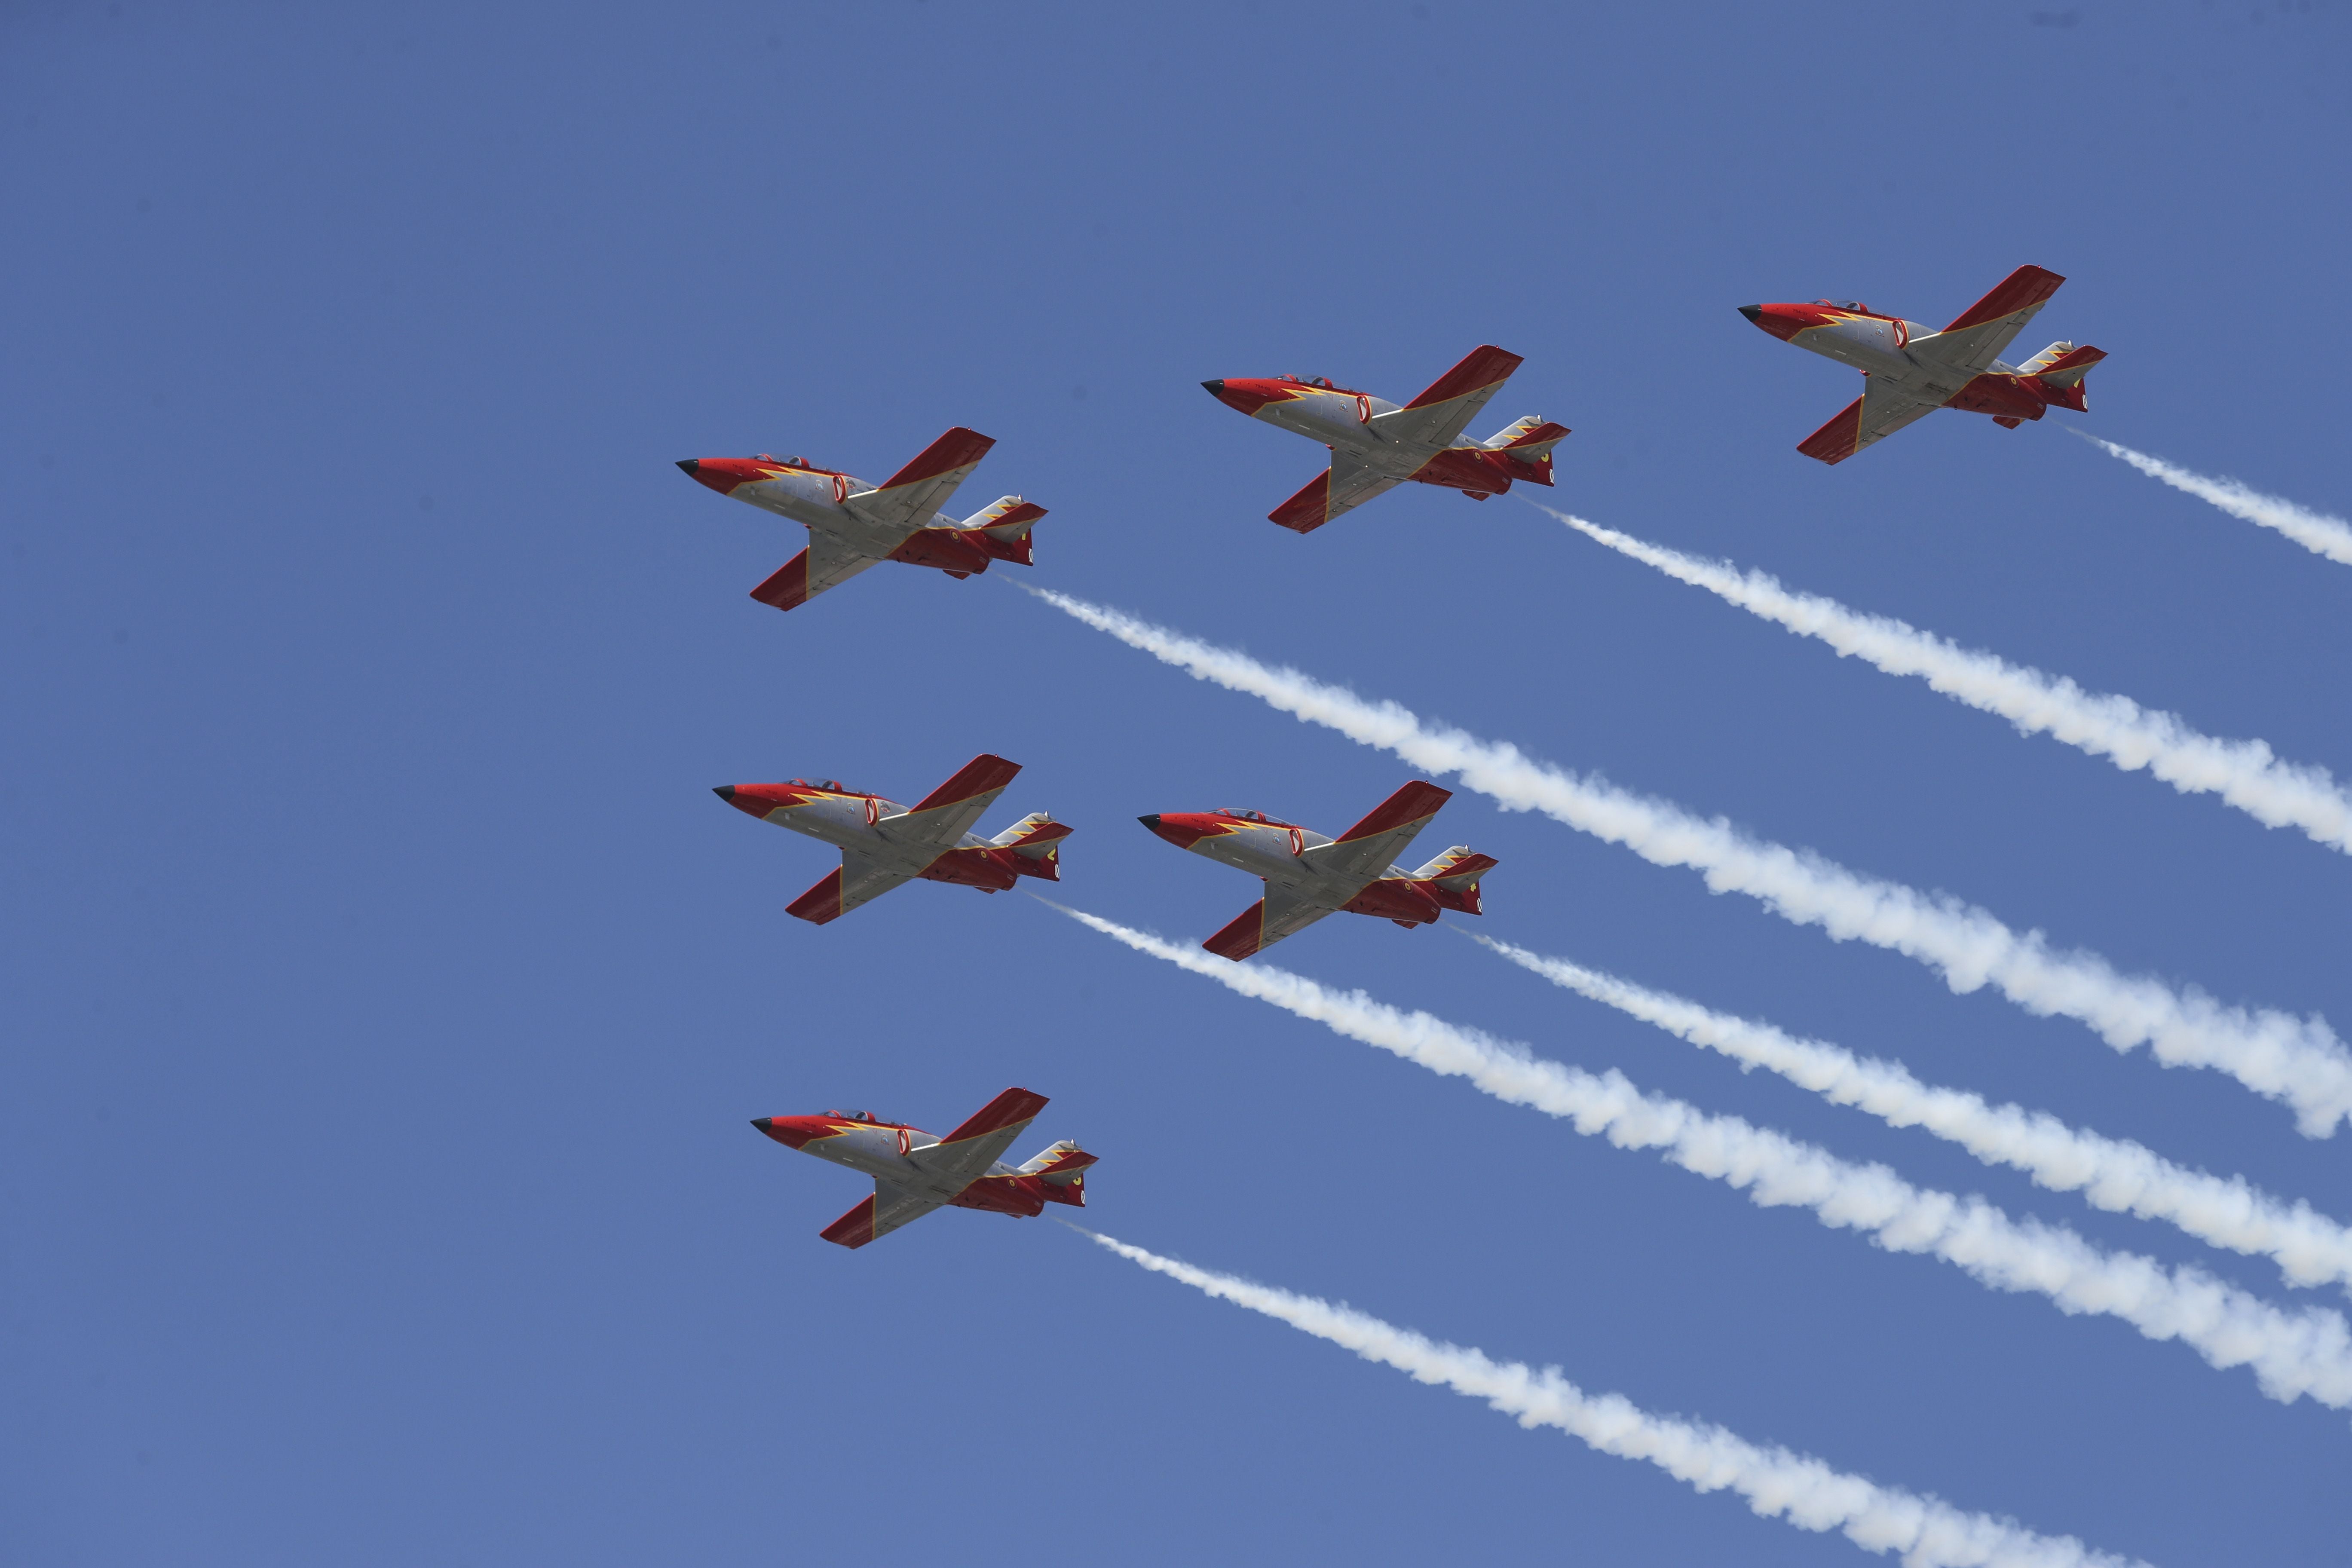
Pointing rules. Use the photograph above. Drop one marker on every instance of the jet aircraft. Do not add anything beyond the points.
(1377, 446)
(915, 1172)
(884, 844)
(1308, 876)
(852, 525)
(1912, 372)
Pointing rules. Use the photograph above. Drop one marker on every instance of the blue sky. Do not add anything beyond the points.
(388, 995)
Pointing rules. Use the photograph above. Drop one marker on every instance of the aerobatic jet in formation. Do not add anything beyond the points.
(1308, 876)
(1911, 371)
(1377, 446)
(884, 844)
(915, 1172)
(852, 525)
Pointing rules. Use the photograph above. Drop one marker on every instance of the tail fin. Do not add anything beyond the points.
(1453, 878)
(1524, 448)
(1036, 842)
(2059, 371)
(1003, 529)
(1063, 1171)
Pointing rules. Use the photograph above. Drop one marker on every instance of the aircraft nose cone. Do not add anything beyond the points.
(1176, 833)
(1213, 388)
(725, 792)
(689, 466)
(1750, 311)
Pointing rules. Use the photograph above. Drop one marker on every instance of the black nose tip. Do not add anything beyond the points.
(764, 1122)
(1153, 822)
(725, 792)
(690, 466)
(1751, 312)
(1213, 388)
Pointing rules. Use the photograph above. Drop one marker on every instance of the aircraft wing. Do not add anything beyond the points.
(891, 1206)
(1349, 483)
(1974, 341)
(1279, 915)
(1878, 413)
(1439, 415)
(860, 880)
(908, 498)
(827, 563)
(1373, 845)
(943, 816)
(964, 1155)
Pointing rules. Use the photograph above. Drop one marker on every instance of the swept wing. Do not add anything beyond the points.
(1881, 410)
(943, 816)
(1372, 845)
(908, 499)
(1440, 414)
(1976, 338)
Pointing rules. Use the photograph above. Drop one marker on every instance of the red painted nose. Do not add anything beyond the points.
(789, 1131)
(758, 800)
(1182, 831)
(1783, 322)
(1245, 396)
(721, 474)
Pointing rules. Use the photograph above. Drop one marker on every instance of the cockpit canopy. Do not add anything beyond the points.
(853, 1116)
(833, 787)
(1322, 381)
(1854, 305)
(1248, 816)
(788, 462)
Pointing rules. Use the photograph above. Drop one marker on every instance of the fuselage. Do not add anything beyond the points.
(1345, 419)
(893, 1152)
(1263, 846)
(819, 499)
(847, 819)
(1904, 353)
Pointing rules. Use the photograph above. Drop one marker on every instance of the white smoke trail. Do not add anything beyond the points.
(2111, 1174)
(2298, 1062)
(2246, 773)
(1778, 1484)
(2315, 531)
(2305, 1353)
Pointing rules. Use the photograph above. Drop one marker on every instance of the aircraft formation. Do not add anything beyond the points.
(1375, 444)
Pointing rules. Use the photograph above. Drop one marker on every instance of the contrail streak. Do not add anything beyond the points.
(1778, 1483)
(2315, 531)
(2246, 773)
(2111, 1174)
(2297, 1061)
(2305, 1353)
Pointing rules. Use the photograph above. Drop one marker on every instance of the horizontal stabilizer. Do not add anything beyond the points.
(1063, 1170)
(1453, 878)
(2061, 379)
(1003, 530)
(1524, 448)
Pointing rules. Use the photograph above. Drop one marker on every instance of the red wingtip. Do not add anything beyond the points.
(820, 903)
(854, 1228)
(1839, 440)
(1242, 936)
(1308, 510)
(1483, 366)
(1415, 800)
(2026, 286)
(955, 449)
(977, 776)
(788, 589)
(1009, 1108)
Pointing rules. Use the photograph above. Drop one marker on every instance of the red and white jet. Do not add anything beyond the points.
(915, 1172)
(1911, 371)
(884, 844)
(1377, 446)
(1308, 876)
(852, 525)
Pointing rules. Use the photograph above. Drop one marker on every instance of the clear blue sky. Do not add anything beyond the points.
(387, 995)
